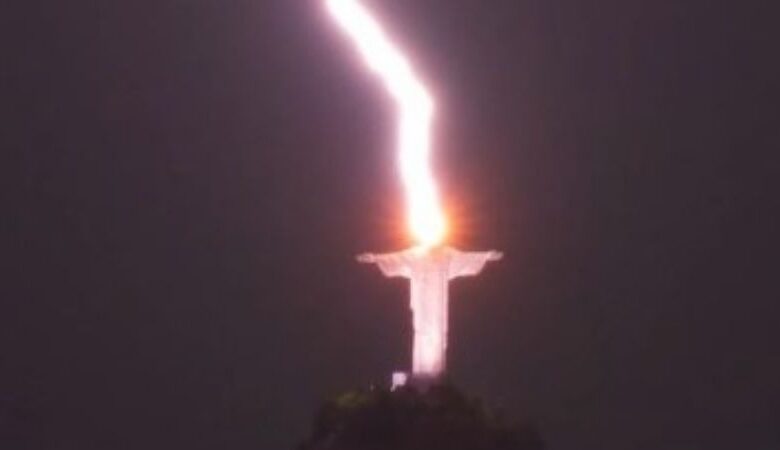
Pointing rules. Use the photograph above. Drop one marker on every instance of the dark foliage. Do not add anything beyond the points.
(405, 419)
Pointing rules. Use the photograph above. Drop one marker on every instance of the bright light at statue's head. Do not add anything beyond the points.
(429, 230)
(427, 224)
(415, 106)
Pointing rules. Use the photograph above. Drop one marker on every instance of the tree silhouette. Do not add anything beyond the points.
(441, 418)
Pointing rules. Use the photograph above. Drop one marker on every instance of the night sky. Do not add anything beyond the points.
(186, 184)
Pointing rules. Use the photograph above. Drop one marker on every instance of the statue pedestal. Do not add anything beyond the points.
(420, 383)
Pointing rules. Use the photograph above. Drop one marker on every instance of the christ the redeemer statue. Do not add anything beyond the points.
(430, 271)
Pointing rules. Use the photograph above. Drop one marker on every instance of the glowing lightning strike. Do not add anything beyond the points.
(425, 215)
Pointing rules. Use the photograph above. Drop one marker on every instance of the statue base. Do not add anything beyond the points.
(419, 382)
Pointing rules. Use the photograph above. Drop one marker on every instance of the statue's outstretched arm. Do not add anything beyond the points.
(494, 255)
(471, 263)
(391, 264)
(366, 258)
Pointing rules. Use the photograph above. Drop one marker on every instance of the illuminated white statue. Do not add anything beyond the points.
(429, 271)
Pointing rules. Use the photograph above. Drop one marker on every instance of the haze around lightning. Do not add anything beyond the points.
(425, 214)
